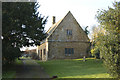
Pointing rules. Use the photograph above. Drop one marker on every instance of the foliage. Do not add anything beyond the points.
(86, 31)
(21, 26)
(75, 68)
(9, 71)
(10, 53)
(108, 41)
(9, 74)
(95, 32)
(95, 52)
(34, 55)
(88, 49)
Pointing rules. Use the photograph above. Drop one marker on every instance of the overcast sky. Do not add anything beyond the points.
(83, 10)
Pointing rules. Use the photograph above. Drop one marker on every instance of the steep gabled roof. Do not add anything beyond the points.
(54, 26)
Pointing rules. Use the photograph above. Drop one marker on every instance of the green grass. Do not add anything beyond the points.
(9, 70)
(9, 74)
(75, 68)
(25, 57)
(17, 61)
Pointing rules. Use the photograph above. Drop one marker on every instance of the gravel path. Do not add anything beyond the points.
(30, 69)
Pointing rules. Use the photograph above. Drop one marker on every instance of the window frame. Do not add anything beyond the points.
(69, 32)
(69, 51)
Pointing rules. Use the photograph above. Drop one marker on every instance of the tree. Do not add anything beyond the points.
(96, 31)
(86, 31)
(109, 41)
(21, 26)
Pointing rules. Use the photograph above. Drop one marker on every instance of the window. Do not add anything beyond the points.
(66, 51)
(44, 51)
(69, 51)
(69, 32)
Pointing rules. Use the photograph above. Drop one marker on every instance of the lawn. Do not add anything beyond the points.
(75, 68)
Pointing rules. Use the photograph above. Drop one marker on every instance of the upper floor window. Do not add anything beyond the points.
(69, 32)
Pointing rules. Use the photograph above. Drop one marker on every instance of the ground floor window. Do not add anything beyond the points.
(69, 51)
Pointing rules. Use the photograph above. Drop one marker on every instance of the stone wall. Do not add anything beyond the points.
(59, 40)
(70, 23)
(57, 50)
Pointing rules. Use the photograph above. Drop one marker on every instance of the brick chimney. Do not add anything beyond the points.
(53, 20)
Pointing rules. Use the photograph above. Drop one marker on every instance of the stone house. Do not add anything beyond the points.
(66, 40)
(30, 51)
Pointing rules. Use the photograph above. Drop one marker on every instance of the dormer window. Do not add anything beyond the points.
(69, 32)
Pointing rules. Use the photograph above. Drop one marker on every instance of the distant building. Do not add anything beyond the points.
(30, 51)
(66, 40)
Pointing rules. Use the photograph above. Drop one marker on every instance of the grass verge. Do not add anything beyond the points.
(9, 70)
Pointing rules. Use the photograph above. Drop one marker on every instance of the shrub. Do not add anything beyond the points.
(34, 55)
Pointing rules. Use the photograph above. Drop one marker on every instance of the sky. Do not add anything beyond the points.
(83, 10)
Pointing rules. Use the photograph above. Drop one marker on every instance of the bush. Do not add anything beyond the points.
(10, 53)
(95, 52)
(34, 55)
